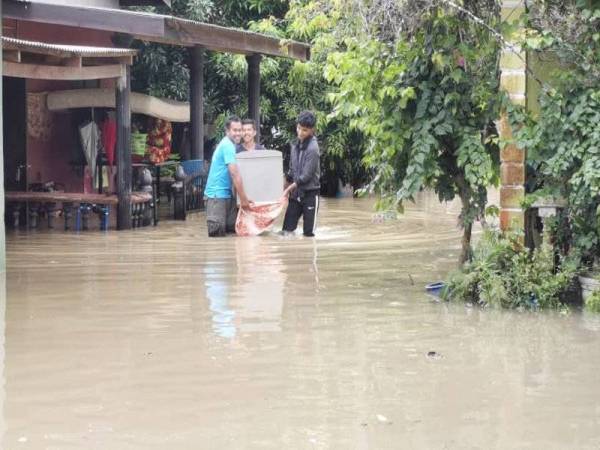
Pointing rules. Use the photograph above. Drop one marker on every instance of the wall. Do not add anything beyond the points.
(50, 159)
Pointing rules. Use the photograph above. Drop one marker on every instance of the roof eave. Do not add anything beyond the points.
(157, 28)
(145, 3)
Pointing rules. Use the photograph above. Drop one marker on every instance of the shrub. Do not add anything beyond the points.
(592, 303)
(504, 273)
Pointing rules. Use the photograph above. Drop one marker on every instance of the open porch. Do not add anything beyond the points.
(103, 80)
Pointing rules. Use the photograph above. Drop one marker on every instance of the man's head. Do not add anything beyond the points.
(305, 125)
(248, 131)
(233, 129)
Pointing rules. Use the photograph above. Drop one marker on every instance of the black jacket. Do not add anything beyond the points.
(305, 168)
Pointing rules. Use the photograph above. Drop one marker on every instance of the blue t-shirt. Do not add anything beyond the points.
(218, 184)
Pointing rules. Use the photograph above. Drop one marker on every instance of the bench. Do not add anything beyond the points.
(83, 204)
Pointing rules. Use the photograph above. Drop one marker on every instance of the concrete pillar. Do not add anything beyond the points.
(513, 80)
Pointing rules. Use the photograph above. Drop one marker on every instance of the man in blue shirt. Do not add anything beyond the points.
(221, 208)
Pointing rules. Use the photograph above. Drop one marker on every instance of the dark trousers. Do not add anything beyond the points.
(221, 214)
(306, 207)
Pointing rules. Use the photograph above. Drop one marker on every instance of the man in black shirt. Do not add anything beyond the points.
(304, 175)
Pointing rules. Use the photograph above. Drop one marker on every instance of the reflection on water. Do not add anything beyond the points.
(261, 282)
(164, 339)
(2, 353)
(217, 294)
(254, 302)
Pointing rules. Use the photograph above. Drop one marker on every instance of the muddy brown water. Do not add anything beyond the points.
(164, 339)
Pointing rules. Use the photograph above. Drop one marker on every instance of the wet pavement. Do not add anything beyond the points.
(164, 339)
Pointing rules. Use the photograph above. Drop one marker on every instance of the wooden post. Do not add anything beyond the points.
(197, 102)
(124, 169)
(254, 91)
(2, 232)
(2, 254)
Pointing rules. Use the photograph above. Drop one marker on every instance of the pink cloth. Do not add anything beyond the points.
(109, 139)
(258, 218)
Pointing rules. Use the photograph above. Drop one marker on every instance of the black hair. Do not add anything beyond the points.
(249, 122)
(307, 119)
(231, 120)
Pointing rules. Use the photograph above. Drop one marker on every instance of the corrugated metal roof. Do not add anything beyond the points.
(67, 51)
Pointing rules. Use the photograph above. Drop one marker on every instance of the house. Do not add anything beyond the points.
(72, 45)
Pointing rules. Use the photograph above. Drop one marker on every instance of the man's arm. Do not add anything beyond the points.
(289, 175)
(239, 185)
(289, 188)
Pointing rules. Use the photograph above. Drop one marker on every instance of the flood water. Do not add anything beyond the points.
(163, 339)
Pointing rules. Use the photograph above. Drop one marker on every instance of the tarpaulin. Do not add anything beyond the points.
(258, 218)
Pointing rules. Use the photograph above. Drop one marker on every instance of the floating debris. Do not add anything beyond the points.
(382, 418)
(434, 355)
(384, 216)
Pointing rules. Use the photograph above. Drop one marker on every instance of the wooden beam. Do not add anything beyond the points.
(254, 91)
(75, 61)
(124, 169)
(42, 72)
(85, 17)
(103, 60)
(11, 55)
(145, 3)
(2, 233)
(161, 108)
(157, 28)
(53, 60)
(213, 37)
(47, 60)
(197, 102)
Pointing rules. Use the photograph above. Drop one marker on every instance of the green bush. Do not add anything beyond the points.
(592, 303)
(504, 273)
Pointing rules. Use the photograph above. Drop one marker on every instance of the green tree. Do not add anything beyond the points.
(563, 139)
(287, 86)
(420, 80)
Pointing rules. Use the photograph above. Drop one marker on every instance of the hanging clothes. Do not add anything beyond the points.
(159, 141)
(90, 142)
(109, 139)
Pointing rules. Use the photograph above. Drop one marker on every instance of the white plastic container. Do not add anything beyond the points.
(262, 175)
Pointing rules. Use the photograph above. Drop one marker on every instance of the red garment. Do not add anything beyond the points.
(258, 218)
(109, 139)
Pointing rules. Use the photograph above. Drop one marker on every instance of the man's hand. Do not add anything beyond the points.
(239, 186)
(246, 204)
(289, 189)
